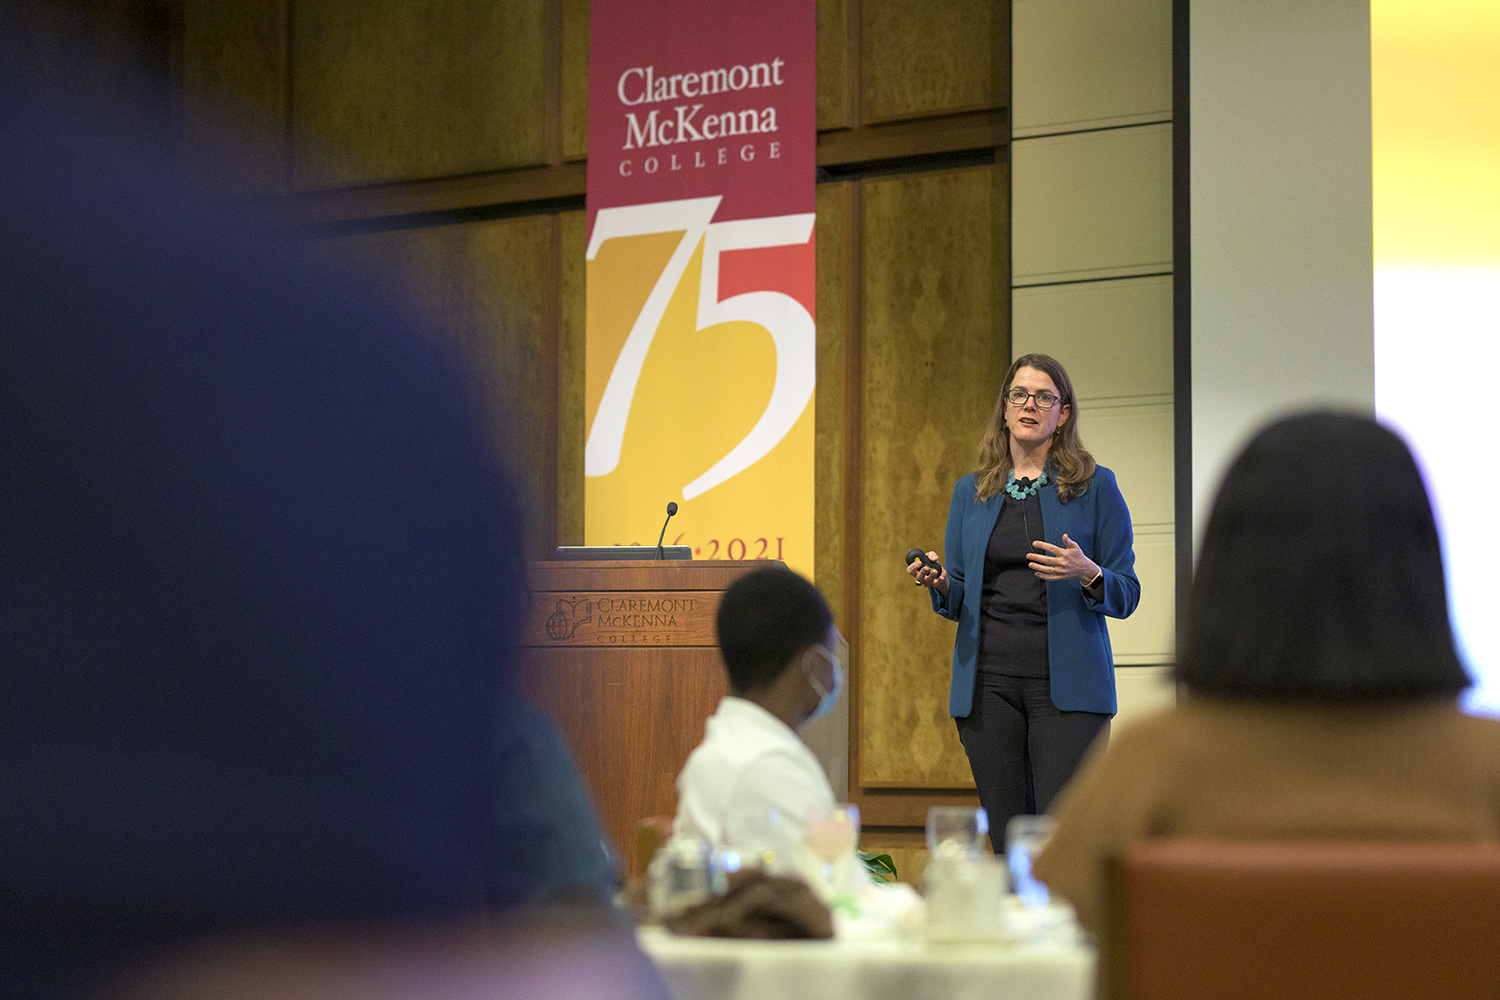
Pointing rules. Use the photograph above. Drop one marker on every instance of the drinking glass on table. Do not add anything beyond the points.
(1025, 836)
(963, 883)
(685, 872)
(832, 837)
(956, 831)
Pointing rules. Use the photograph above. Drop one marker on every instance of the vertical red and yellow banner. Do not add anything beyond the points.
(700, 348)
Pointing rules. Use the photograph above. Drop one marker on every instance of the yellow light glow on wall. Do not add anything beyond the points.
(1435, 84)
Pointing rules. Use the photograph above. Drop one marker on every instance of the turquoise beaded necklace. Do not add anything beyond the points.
(1016, 493)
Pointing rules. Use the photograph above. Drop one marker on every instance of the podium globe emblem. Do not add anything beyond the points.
(562, 623)
(560, 626)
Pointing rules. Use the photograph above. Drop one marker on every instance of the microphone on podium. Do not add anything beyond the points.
(671, 509)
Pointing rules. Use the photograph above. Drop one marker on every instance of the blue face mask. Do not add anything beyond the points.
(826, 697)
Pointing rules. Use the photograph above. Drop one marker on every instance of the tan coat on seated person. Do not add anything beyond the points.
(1320, 668)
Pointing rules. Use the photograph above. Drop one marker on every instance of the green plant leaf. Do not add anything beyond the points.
(880, 866)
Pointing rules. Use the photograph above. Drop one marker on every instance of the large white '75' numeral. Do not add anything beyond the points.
(783, 317)
(601, 453)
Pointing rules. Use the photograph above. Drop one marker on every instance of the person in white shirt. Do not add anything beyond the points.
(779, 645)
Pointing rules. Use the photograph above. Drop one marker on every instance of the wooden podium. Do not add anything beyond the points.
(623, 656)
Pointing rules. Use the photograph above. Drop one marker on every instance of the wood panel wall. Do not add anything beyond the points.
(445, 143)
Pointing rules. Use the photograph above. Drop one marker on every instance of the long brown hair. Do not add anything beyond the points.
(1071, 464)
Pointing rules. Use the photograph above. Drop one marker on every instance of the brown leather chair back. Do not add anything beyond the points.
(1306, 919)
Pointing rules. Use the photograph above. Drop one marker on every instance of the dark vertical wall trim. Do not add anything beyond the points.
(1003, 278)
(1182, 310)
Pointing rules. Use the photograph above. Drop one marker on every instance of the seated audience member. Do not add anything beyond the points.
(258, 596)
(778, 641)
(1320, 673)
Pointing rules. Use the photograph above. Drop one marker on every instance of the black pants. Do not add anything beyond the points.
(1022, 748)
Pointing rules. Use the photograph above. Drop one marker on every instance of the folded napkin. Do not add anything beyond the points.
(758, 905)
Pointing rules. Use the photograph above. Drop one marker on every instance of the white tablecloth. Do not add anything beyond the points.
(717, 969)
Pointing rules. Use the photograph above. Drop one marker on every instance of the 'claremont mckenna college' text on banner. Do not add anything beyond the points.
(700, 347)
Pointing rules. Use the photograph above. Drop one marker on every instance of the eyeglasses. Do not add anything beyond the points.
(1044, 399)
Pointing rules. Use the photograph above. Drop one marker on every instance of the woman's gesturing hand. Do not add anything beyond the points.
(1066, 562)
(928, 577)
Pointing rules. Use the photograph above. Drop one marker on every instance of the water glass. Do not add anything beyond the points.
(829, 840)
(1025, 836)
(685, 872)
(833, 834)
(965, 896)
(956, 831)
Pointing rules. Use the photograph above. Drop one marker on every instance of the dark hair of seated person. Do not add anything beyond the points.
(766, 617)
(1321, 574)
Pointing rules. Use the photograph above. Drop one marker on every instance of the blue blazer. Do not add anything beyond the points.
(1080, 660)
